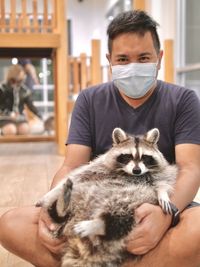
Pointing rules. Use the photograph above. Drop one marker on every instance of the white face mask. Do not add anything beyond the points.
(134, 79)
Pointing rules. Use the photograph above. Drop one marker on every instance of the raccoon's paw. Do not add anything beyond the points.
(165, 205)
(49, 198)
(90, 228)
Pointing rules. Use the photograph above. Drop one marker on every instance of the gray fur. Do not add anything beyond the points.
(97, 201)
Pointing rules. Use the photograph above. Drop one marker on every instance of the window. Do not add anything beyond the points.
(188, 53)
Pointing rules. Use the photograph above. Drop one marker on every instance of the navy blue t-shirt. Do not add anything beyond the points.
(174, 110)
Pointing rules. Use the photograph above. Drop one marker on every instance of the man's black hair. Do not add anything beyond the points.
(136, 21)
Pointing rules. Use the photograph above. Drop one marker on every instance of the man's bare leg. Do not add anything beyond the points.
(18, 234)
(180, 247)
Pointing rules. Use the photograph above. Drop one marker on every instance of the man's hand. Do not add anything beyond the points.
(45, 227)
(152, 225)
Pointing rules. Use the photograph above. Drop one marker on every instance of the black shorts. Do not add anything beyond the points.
(4, 120)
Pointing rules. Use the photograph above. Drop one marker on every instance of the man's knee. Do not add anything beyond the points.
(7, 224)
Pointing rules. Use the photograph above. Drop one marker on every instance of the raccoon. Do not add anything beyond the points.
(94, 206)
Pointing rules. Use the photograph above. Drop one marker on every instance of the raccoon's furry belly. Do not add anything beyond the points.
(114, 201)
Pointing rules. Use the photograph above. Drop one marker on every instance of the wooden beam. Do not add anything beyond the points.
(32, 40)
(169, 60)
(139, 4)
(26, 138)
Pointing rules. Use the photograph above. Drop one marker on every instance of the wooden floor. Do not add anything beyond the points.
(26, 170)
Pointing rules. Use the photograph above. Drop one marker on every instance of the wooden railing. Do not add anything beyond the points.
(26, 16)
(79, 74)
(85, 71)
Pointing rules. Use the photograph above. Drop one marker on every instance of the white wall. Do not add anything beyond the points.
(164, 12)
(88, 22)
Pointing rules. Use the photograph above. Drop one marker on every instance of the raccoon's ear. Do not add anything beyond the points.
(118, 136)
(152, 136)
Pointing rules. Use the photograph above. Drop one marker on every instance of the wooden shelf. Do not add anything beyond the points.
(26, 138)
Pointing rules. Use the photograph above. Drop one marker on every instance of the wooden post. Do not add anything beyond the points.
(45, 16)
(168, 60)
(76, 82)
(139, 4)
(95, 63)
(2, 19)
(12, 16)
(53, 15)
(35, 16)
(83, 70)
(61, 79)
(25, 17)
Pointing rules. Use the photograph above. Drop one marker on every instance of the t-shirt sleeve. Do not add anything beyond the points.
(79, 130)
(187, 127)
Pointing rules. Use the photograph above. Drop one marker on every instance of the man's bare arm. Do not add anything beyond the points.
(153, 222)
(76, 155)
(188, 180)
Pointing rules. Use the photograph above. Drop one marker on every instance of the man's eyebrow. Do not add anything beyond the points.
(145, 54)
(122, 55)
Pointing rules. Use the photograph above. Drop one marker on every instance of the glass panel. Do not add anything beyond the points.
(192, 81)
(40, 80)
(188, 40)
(192, 31)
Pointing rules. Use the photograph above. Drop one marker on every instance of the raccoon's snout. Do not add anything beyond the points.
(137, 171)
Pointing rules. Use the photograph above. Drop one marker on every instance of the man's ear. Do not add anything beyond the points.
(160, 55)
(109, 61)
(108, 57)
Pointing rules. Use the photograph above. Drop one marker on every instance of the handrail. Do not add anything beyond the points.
(188, 68)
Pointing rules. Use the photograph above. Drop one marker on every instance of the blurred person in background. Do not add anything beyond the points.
(14, 96)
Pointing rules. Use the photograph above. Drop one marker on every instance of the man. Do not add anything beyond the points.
(14, 95)
(136, 102)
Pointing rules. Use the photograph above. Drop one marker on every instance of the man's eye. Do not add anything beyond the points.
(124, 158)
(123, 60)
(144, 59)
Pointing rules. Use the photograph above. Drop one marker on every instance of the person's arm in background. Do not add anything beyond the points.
(30, 70)
(28, 100)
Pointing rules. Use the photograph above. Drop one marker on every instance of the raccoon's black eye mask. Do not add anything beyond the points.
(148, 160)
(124, 158)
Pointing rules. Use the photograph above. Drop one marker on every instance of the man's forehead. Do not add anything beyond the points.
(125, 43)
